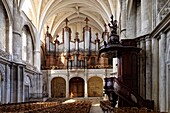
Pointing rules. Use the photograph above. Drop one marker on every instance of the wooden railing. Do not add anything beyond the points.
(105, 106)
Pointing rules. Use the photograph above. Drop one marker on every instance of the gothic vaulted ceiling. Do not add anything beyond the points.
(54, 12)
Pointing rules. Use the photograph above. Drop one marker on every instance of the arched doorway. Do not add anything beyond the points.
(27, 85)
(76, 86)
(58, 87)
(95, 87)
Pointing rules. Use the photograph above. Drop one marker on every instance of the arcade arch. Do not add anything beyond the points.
(95, 87)
(76, 87)
(58, 87)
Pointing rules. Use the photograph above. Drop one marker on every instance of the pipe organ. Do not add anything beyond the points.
(87, 37)
(67, 32)
(74, 52)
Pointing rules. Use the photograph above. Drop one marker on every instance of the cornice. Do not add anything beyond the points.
(162, 26)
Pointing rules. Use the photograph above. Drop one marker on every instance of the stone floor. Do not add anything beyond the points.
(95, 102)
(96, 109)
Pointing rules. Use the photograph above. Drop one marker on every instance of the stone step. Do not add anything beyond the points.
(94, 100)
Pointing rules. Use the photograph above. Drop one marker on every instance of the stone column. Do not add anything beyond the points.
(15, 80)
(131, 22)
(49, 84)
(17, 43)
(18, 84)
(11, 85)
(8, 84)
(148, 68)
(37, 60)
(142, 68)
(123, 19)
(162, 73)
(67, 86)
(146, 17)
(155, 72)
(85, 84)
(3, 88)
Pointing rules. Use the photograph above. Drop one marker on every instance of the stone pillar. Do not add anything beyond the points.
(162, 73)
(49, 84)
(15, 89)
(146, 17)
(85, 84)
(11, 85)
(142, 68)
(17, 43)
(19, 84)
(131, 22)
(3, 88)
(155, 72)
(67, 86)
(148, 68)
(123, 19)
(37, 60)
(8, 84)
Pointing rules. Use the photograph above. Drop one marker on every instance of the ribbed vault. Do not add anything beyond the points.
(54, 12)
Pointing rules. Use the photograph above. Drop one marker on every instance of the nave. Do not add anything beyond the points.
(71, 105)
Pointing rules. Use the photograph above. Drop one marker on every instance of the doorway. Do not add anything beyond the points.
(95, 87)
(58, 87)
(76, 86)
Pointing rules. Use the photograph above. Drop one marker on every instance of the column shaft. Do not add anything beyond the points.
(12, 85)
(146, 16)
(85, 84)
(142, 68)
(162, 73)
(123, 19)
(155, 72)
(67, 86)
(18, 85)
(17, 43)
(8, 84)
(148, 69)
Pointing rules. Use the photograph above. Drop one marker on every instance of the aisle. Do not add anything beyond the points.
(96, 109)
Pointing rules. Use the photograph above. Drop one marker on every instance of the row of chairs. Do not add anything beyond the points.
(24, 107)
(74, 107)
(107, 108)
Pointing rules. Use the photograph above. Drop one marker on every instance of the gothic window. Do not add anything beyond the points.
(3, 27)
(24, 45)
(27, 45)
